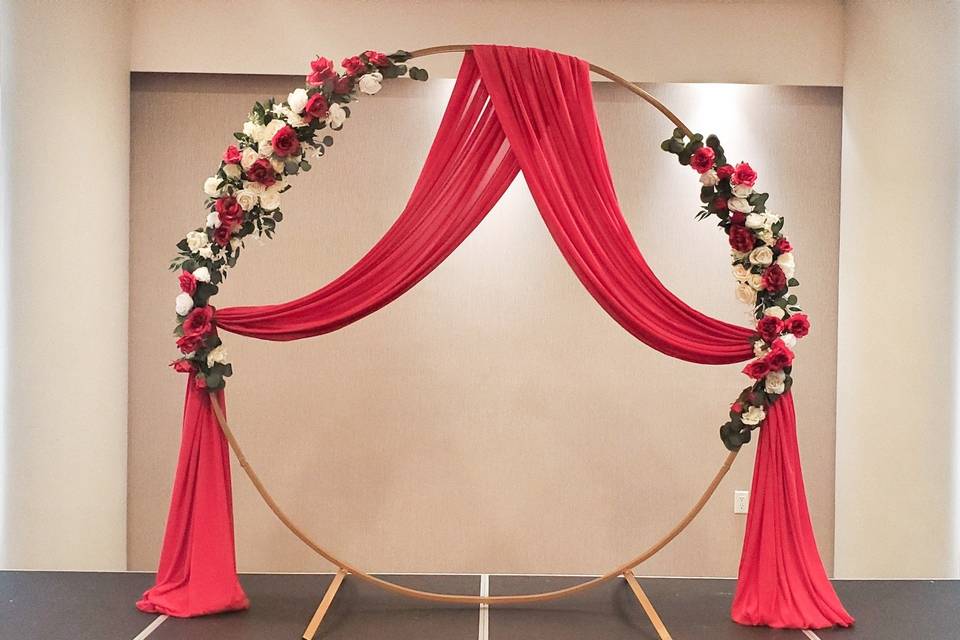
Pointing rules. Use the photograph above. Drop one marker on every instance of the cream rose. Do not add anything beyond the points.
(755, 281)
(210, 186)
(265, 149)
(247, 199)
(297, 100)
(739, 204)
(761, 256)
(754, 221)
(255, 187)
(213, 219)
(184, 303)
(740, 272)
(217, 354)
(759, 348)
(786, 262)
(753, 416)
(248, 157)
(202, 274)
(205, 252)
(271, 129)
(776, 312)
(741, 190)
(270, 199)
(336, 116)
(370, 83)
(746, 294)
(767, 237)
(709, 178)
(774, 382)
(252, 130)
(197, 240)
(232, 171)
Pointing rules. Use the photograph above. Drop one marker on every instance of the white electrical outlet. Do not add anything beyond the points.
(741, 501)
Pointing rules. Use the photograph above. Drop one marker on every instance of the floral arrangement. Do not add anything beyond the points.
(763, 266)
(243, 196)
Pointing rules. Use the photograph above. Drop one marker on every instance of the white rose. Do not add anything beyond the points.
(776, 312)
(761, 256)
(297, 100)
(753, 416)
(196, 240)
(202, 274)
(277, 164)
(247, 199)
(252, 130)
(213, 219)
(235, 242)
(232, 171)
(205, 252)
(754, 221)
(217, 354)
(774, 382)
(709, 179)
(789, 339)
(210, 186)
(755, 281)
(336, 116)
(767, 237)
(746, 294)
(184, 303)
(739, 204)
(370, 83)
(786, 262)
(271, 129)
(248, 157)
(759, 348)
(740, 272)
(255, 187)
(265, 149)
(741, 190)
(270, 199)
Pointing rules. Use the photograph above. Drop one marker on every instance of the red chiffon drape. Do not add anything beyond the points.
(512, 109)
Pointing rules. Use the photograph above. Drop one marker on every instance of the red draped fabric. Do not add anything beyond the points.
(512, 109)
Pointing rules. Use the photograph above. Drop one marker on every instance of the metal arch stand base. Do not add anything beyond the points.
(628, 576)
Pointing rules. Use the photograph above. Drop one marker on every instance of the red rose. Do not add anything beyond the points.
(738, 217)
(757, 369)
(189, 344)
(780, 356)
(719, 204)
(377, 59)
(353, 65)
(183, 366)
(783, 246)
(798, 324)
(285, 142)
(744, 174)
(188, 284)
(317, 107)
(741, 238)
(232, 155)
(199, 322)
(229, 211)
(343, 85)
(702, 160)
(770, 328)
(724, 171)
(222, 234)
(321, 69)
(774, 279)
(262, 171)
(736, 407)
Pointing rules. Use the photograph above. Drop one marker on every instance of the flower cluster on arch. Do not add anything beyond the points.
(278, 140)
(763, 266)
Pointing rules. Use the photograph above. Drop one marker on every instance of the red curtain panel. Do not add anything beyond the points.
(529, 110)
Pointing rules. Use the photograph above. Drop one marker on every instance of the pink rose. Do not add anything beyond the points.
(798, 324)
(770, 328)
(741, 238)
(262, 171)
(783, 246)
(188, 284)
(757, 369)
(353, 65)
(744, 175)
(702, 160)
(774, 279)
(285, 142)
(232, 155)
(377, 59)
(724, 171)
(317, 107)
(321, 69)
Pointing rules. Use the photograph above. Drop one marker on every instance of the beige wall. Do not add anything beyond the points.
(494, 418)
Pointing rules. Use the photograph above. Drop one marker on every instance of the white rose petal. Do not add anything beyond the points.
(255, 187)
(741, 191)
(248, 157)
(232, 171)
(767, 237)
(753, 416)
(739, 204)
(235, 242)
(202, 274)
(270, 199)
(205, 252)
(709, 178)
(196, 240)
(759, 348)
(265, 149)
(184, 303)
(755, 281)
(298, 100)
(786, 262)
(336, 116)
(776, 312)
(277, 164)
(761, 256)
(213, 219)
(210, 186)
(746, 294)
(774, 382)
(247, 199)
(370, 83)
(251, 130)
(754, 221)
(740, 272)
(789, 339)
(217, 354)
(271, 129)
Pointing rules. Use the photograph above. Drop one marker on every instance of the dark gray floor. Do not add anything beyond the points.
(99, 606)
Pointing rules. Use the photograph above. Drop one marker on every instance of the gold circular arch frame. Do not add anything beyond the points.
(348, 568)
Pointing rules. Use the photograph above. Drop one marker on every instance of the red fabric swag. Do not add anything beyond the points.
(512, 109)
